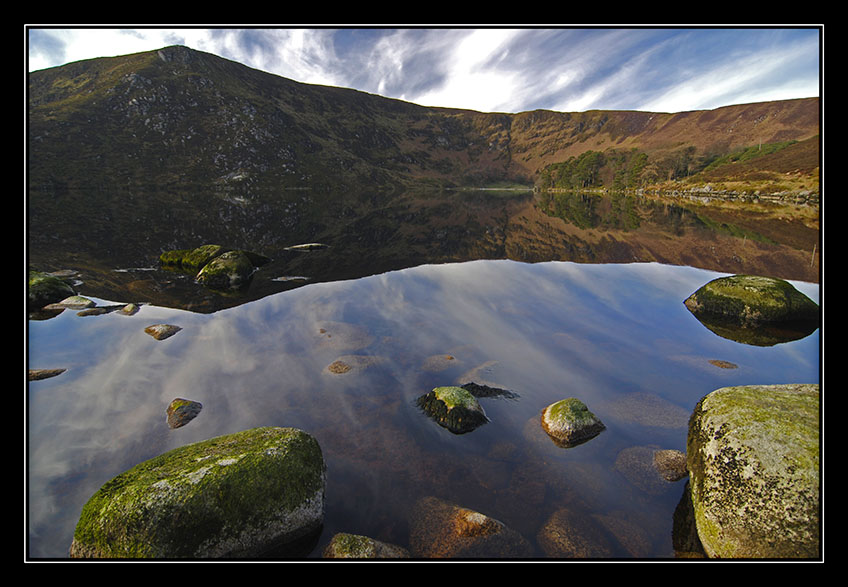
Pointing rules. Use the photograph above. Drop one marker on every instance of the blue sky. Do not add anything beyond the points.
(496, 69)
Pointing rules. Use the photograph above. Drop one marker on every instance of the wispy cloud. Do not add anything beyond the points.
(497, 69)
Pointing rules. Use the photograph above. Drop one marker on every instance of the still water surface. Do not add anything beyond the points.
(617, 336)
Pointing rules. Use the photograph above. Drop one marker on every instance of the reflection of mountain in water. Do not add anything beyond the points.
(368, 234)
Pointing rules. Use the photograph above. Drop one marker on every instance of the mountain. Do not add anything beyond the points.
(180, 117)
(131, 156)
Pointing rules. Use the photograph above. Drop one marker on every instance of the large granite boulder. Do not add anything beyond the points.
(753, 460)
(235, 496)
(754, 310)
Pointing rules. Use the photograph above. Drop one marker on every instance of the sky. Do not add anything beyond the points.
(496, 69)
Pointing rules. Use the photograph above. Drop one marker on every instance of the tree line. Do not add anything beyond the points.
(618, 169)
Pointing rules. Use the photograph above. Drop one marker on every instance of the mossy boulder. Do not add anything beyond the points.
(240, 495)
(754, 310)
(228, 270)
(44, 289)
(569, 422)
(453, 408)
(753, 460)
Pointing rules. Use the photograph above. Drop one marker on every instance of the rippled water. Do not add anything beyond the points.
(618, 337)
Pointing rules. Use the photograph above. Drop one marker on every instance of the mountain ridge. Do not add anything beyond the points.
(180, 116)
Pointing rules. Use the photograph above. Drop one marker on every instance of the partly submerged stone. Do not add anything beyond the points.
(344, 545)
(240, 495)
(753, 460)
(39, 374)
(73, 302)
(44, 289)
(754, 310)
(453, 408)
(162, 331)
(182, 411)
(228, 270)
(439, 529)
(569, 422)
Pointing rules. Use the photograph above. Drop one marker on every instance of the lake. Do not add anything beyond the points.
(615, 335)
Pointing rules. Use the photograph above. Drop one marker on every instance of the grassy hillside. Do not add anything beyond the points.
(182, 117)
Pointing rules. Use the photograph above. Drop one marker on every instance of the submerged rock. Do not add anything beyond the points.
(671, 464)
(569, 422)
(567, 534)
(753, 460)
(638, 464)
(355, 363)
(439, 529)
(453, 408)
(234, 496)
(344, 545)
(755, 310)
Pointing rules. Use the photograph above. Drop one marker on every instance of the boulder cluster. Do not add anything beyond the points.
(216, 266)
(751, 464)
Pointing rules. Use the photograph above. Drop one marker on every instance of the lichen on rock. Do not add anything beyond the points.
(753, 461)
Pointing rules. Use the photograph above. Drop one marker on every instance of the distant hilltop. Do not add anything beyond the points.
(180, 117)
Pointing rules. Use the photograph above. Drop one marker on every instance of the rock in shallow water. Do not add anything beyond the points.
(234, 496)
(162, 331)
(344, 545)
(569, 422)
(439, 529)
(760, 311)
(454, 408)
(182, 411)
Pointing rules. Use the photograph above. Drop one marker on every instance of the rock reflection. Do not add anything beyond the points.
(525, 334)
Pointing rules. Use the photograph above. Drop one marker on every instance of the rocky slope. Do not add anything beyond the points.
(179, 117)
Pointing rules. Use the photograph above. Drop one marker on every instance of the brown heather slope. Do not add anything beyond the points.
(540, 138)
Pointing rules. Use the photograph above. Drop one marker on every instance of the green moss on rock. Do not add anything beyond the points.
(454, 408)
(230, 269)
(44, 289)
(232, 496)
(191, 259)
(569, 422)
(752, 299)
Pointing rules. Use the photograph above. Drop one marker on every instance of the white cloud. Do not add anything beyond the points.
(494, 69)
